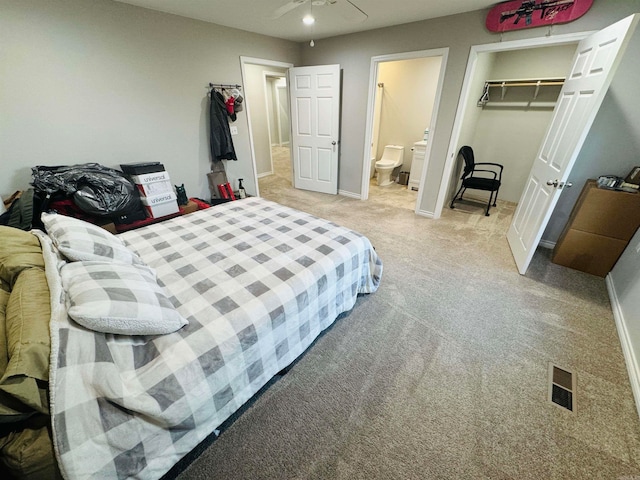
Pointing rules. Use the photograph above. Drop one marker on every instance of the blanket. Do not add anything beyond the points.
(257, 282)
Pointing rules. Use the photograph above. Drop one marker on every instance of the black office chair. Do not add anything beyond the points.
(490, 180)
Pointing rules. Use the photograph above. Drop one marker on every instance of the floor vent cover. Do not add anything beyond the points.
(562, 387)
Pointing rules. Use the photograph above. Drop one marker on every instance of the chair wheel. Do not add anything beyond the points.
(486, 215)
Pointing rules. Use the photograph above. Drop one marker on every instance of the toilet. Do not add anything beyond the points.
(392, 157)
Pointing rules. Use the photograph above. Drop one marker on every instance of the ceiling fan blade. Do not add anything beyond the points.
(350, 11)
(286, 8)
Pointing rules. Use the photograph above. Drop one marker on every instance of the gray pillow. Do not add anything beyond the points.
(118, 298)
(80, 240)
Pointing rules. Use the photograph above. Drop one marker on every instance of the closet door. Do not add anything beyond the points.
(315, 125)
(594, 66)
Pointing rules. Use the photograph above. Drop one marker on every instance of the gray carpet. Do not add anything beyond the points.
(442, 373)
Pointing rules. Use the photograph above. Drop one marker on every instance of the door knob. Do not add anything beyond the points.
(552, 182)
(333, 143)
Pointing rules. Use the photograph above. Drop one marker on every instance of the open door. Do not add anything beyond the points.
(594, 66)
(315, 125)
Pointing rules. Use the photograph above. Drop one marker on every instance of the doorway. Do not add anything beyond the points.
(404, 95)
(279, 128)
(267, 110)
(475, 76)
(515, 93)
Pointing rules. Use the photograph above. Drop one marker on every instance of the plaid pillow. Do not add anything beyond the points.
(80, 240)
(117, 298)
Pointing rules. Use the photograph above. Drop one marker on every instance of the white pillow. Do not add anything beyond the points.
(117, 298)
(80, 240)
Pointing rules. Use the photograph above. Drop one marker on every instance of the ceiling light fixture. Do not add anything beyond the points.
(309, 20)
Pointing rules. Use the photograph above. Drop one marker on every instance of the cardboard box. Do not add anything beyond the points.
(588, 252)
(161, 205)
(189, 207)
(154, 188)
(151, 177)
(607, 212)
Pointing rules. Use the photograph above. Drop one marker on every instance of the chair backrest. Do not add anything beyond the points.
(469, 161)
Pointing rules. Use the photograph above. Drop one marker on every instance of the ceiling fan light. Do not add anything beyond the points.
(308, 20)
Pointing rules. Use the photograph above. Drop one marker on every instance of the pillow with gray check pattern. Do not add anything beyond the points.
(80, 240)
(118, 298)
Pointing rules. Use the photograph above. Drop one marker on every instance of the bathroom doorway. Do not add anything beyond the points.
(404, 95)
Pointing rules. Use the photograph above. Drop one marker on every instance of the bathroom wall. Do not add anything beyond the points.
(407, 102)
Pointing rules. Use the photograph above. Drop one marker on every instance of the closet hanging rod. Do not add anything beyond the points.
(224, 85)
(525, 83)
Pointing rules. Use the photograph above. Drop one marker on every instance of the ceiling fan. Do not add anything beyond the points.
(347, 9)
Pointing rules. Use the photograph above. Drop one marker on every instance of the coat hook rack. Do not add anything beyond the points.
(224, 85)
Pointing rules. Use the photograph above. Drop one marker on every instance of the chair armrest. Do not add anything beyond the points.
(488, 163)
(492, 164)
(495, 174)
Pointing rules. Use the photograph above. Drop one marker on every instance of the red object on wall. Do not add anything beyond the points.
(519, 14)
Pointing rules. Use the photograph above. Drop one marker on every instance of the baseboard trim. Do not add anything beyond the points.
(265, 174)
(547, 244)
(633, 368)
(425, 213)
(345, 193)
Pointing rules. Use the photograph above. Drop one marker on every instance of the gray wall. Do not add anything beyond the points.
(106, 82)
(459, 33)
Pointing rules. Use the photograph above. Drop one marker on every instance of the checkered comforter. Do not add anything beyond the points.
(257, 281)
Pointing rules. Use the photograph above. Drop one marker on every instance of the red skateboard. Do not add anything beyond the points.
(519, 14)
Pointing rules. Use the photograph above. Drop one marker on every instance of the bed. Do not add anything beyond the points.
(250, 285)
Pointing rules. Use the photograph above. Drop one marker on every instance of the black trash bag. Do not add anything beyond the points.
(95, 189)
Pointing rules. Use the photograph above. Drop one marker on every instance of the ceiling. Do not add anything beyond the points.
(256, 15)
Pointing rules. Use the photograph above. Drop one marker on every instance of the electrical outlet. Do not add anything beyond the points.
(234, 130)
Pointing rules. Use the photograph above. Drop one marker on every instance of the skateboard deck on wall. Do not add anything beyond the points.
(519, 14)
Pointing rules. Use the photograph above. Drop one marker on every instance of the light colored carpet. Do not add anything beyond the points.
(442, 373)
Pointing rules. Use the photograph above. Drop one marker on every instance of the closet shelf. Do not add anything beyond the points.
(522, 82)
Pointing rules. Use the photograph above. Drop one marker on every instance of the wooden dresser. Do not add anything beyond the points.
(600, 226)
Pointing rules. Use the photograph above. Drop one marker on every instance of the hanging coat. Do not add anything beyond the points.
(221, 142)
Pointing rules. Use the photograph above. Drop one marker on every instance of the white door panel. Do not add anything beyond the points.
(595, 63)
(315, 121)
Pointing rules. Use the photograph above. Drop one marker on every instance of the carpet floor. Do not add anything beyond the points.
(443, 372)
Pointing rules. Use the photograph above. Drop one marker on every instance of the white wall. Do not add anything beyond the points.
(408, 96)
(107, 82)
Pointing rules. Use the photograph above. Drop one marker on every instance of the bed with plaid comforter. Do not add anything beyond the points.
(257, 282)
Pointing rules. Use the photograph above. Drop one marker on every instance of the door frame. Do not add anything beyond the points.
(373, 83)
(247, 104)
(465, 94)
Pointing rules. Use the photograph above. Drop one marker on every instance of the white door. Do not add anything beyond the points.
(595, 63)
(315, 125)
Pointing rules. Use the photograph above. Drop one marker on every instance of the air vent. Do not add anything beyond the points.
(562, 388)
